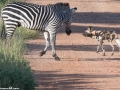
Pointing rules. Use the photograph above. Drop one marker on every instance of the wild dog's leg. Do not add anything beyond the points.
(103, 49)
(46, 36)
(111, 46)
(98, 47)
(101, 44)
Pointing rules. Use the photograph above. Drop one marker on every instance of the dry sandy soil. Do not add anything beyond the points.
(80, 68)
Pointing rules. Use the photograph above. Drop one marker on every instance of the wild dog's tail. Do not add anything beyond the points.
(3, 32)
(117, 40)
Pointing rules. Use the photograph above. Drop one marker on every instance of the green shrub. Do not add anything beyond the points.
(26, 33)
(3, 2)
(15, 71)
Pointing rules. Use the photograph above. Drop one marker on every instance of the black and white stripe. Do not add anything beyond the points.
(37, 17)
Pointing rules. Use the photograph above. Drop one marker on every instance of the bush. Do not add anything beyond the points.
(15, 71)
(3, 2)
(26, 33)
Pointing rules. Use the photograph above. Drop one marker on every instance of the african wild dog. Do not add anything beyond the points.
(103, 35)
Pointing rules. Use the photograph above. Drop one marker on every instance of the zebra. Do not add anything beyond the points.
(46, 18)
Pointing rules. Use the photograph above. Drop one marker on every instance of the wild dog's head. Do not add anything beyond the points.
(88, 32)
(92, 33)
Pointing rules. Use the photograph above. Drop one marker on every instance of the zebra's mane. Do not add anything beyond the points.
(61, 5)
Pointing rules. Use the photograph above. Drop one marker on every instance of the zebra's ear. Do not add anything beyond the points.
(73, 9)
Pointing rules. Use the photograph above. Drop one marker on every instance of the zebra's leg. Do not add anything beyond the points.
(53, 43)
(46, 36)
(10, 28)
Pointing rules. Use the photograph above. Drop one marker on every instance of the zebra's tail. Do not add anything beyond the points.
(3, 32)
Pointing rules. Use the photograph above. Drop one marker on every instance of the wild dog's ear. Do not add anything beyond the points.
(105, 31)
(90, 28)
(112, 32)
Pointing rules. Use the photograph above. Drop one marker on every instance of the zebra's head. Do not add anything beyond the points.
(68, 20)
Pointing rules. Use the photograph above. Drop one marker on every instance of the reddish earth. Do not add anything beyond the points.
(80, 68)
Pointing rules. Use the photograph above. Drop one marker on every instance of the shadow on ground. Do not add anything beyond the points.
(92, 48)
(95, 18)
(86, 48)
(50, 80)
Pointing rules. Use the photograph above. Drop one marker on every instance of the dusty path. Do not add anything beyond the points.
(80, 68)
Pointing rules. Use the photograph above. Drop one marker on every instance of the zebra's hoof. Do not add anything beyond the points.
(42, 53)
(97, 51)
(57, 58)
(103, 54)
(68, 32)
(112, 54)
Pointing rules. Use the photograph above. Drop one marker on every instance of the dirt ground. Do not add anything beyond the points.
(80, 68)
